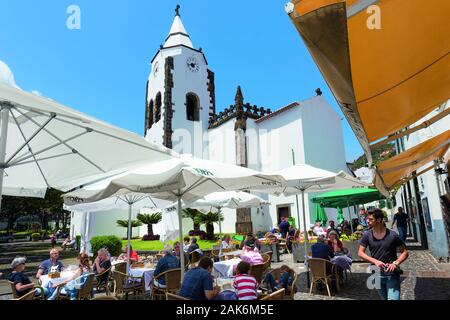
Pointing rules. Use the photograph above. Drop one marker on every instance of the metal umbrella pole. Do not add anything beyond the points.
(305, 237)
(180, 225)
(4, 138)
(130, 208)
(349, 216)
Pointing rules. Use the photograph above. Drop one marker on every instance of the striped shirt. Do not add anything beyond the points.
(245, 286)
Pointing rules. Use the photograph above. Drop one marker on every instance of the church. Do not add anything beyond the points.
(181, 114)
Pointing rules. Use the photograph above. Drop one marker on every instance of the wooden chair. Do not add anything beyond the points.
(105, 298)
(318, 268)
(29, 296)
(103, 285)
(84, 293)
(194, 258)
(172, 279)
(125, 284)
(292, 289)
(277, 295)
(15, 294)
(171, 296)
(257, 271)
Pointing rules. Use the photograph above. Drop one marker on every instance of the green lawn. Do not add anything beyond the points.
(138, 244)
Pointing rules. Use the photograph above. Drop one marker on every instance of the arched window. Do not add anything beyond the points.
(157, 108)
(192, 107)
(150, 114)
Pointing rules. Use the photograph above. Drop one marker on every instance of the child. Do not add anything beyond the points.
(287, 275)
(244, 283)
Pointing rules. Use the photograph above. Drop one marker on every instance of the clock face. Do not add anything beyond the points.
(192, 64)
(155, 69)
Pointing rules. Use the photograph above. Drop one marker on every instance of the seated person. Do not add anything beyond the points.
(177, 250)
(186, 243)
(45, 267)
(193, 246)
(226, 243)
(332, 227)
(345, 228)
(22, 282)
(318, 230)
(74, 282)
(251, 242)
(290, 237)
(167, 262)
(251, 254)
(69, 242)
(334, 243)
(244, 283)
(102, 263)
(320, 250)
(286, 278)
(198, 282)
(133, 255)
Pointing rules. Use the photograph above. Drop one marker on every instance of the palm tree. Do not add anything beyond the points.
(209, 219)
(124, 224)
(150, 220)
(192, 213)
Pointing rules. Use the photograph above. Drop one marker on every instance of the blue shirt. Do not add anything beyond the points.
(47, 265)
(322, 251)
(195, 282)
(168, 262)
(284, 228)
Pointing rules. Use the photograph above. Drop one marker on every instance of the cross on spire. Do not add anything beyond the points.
(177, 10)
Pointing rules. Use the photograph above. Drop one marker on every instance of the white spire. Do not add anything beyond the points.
(178, 35)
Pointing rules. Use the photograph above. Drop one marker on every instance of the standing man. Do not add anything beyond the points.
(383, 244)
(284, 226)
(401, 217)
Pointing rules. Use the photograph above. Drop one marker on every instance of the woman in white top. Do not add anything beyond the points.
(318, 230)
(226, 242)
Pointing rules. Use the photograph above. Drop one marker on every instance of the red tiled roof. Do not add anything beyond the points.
(273, 114)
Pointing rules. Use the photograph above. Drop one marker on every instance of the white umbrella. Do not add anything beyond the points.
(186, 179)
(45, 144)
(229, 199)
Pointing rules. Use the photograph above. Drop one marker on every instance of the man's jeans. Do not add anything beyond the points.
(390, 287)
(402, 233)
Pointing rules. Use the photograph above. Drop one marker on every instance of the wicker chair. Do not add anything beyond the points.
(84, 293)
(277, 295)
(171, 296)
(172, 279)
(257, 271)
(318, 268)
(105, 298)
(121, 267)
(267, 258)
(292, 289)
(296, 235)
(125, 284)
(283, 243)
(215, 254)
(103, 285)
(15, 294)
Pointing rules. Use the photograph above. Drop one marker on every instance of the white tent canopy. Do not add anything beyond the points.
(45, 144)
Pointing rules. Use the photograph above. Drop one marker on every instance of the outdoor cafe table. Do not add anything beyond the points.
(231, 253)
(225, 268)
(147, 272)
(47, 281)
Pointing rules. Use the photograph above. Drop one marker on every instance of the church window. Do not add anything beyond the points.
(150, 114)
(192, 107)
(157, 108)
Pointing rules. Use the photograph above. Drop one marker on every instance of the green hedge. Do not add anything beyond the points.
(113, 244)
(78, 241)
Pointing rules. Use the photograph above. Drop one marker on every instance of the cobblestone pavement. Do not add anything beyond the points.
(423, 279)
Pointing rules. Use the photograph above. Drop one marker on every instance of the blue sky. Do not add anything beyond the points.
(102, 68)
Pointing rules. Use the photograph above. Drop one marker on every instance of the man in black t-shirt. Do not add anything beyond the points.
(383, 244)
(101, 264)
(401, 217)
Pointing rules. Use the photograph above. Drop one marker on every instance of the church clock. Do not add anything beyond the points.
(192, 64)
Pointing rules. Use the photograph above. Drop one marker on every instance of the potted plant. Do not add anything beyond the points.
(35, 236)
(150, 220)
(124, 224)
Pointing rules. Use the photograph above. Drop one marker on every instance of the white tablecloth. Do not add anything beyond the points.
(147, 272)
(231, 253)
(224, 269)
(46, 281)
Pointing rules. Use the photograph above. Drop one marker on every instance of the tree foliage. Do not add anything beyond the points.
(124, 224)
(379, 154)
(150, 220)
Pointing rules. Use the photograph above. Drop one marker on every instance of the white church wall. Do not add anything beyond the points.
(222, 145)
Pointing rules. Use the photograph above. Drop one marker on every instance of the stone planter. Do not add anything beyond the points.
(353, 247)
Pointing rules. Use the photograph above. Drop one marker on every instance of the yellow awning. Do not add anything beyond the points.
(396, 170)
(383, 79)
